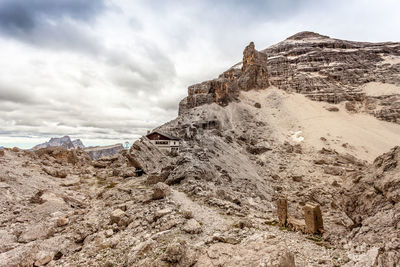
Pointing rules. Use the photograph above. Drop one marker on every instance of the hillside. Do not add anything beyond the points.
(311, 119)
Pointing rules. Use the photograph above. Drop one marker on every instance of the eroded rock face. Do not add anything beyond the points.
(103, 151)
(63, 156)
(322, 68)
(252, 75)
(332, 70)
(146, 156)
(372, 201)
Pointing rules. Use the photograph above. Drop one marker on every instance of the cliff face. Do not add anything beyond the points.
(253, 74)
(322, 68)
(371, 198)
(103, 151)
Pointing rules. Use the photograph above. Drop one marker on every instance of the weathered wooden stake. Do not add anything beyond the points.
(282, 208)
(313, 218)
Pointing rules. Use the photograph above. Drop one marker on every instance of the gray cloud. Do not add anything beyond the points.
(20, 16)
(17, 94)
(55, 24)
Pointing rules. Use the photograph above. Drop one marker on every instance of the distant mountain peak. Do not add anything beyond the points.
(78, 143)
(64, 142)
(306, 35)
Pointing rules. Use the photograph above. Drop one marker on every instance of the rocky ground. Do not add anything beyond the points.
(243, 146)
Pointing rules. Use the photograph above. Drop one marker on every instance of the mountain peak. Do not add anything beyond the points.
(64, 141)
(306, 35)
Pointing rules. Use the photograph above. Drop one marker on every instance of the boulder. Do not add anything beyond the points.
(43, 257)
(192, 227)
(34, 232)
(175, 251)
(160, 190)
(332, 108)
(7, 241)
(59, 173)
(145, 156)
(116, 215)
(287, 260)
(160, 213)
(154, 178)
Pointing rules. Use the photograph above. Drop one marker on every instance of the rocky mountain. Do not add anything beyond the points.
(322, 68)
(64, 142)
(103, 151)
(77, 143)
(269, 142)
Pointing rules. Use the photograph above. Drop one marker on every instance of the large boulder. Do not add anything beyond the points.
(160, 191)
(145, 156)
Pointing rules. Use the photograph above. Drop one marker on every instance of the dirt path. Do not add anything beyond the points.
(211, 219)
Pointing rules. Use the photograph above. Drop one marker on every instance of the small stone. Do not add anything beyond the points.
(192, 227)
(297, 178)
(109, 233)
(116, 215)
(161, 213)
(43, 258)
(257, 105)
(62, 221)
(335, 184)
(59, 173)
(4, 185)
(287, 260)
(244, 223)
(332, 108)
(187, 214)
(169, 224)
(1, 153)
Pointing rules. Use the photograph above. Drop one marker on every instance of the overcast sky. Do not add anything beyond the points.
(107, 71)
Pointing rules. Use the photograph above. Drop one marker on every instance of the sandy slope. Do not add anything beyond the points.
(380, 89)
(358, 134)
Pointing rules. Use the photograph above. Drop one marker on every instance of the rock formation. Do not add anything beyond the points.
(252, 75)
(78, 143)
(371, 198)
(322, 68)
(103, 151)
(64, 142)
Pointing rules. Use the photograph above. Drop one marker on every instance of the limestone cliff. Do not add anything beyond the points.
(322, 68)
(252, 75)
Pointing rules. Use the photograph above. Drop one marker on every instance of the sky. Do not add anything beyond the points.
(106, 71)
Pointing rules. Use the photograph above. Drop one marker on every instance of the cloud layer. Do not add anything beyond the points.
(109, 70)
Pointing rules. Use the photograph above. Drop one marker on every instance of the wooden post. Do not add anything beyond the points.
(282, 208)
(313, 218)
